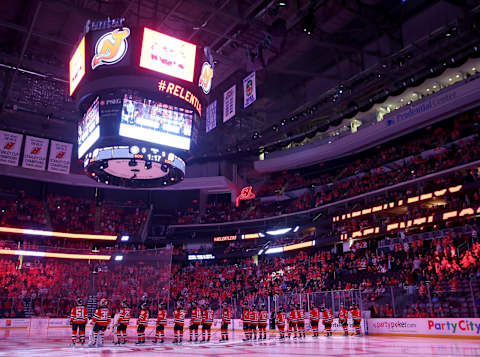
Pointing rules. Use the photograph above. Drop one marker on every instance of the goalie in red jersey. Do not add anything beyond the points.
(78, 320)
(101, 319)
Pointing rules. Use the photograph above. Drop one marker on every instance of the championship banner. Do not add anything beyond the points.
(60, 157)
(229, 104)
(10, 145)
(249, 90)
(211, 121)
(35, 153)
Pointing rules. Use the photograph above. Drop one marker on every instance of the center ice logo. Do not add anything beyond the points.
(111, 47)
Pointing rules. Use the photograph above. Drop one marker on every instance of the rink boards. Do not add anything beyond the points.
(431, 327)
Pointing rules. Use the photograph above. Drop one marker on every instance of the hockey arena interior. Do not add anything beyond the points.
(239, 177)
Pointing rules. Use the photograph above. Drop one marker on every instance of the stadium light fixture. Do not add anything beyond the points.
(125, 238)
(260, 251)
(118, 258)
(279, 232)
(274, 250)
(30, 253)
(295, 230)
(36, 232)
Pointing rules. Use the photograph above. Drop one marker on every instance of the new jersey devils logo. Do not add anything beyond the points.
(111, 47)
(205, 80)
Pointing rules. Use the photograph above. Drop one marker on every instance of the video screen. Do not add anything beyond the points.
(168, 55)
(77, 66)
(155, 122)
(89, 129)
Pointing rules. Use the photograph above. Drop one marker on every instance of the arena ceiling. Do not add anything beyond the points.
(347, 36)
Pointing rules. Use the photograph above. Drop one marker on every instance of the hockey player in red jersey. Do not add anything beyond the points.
(292, 321)
(161, 324)
(142, 323)
(195, 321)
(314, 320)
(262, 322)
(343, 319)
(254, 321)
(280, 320)
(207, 321)
(123, 320)
(327, 319)
(101, 319)
(246, 322)
(357, 318)
(179, 319)
(301, 321)
(226, 320)
(78, 320)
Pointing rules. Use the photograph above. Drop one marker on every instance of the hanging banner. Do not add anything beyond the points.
(249, 90)
(60, 157)
(211, 121)
(229, 104)
(10, 145)
(35, 153)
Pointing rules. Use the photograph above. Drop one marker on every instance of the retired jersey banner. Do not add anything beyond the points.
(10, 145)
(35, 153)
(211, 121)
(229, 104)
(60, 156)
(249, 90)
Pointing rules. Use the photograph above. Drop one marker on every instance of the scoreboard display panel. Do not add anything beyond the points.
(155, 122)
(89, 128)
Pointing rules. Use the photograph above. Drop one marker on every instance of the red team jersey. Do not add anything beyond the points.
(143, 318)
(281, 318)
(124, 316)
(301, 316)
(263, 317)
(253, 317)
(78, 315)
(356, 314)
(292, 316)
(246, 316)
(101, 316)
(315, 314)
(179, 317)
(327, 316)
(342, 315)
(226, 318)
(207, 317)
(196, 315)
(162, 317)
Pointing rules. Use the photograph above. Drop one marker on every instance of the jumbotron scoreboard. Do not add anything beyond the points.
(141, 95)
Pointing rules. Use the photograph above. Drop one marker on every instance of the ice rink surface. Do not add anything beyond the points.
(15, 343)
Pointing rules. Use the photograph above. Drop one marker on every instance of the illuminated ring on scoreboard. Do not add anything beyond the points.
(134, 166)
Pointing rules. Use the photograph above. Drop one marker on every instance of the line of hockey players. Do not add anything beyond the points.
(201, 321)
(293, 322)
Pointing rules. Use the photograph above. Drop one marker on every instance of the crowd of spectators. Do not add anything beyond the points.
(419, 268)
(64, 213)
(455, 142)
(21, 210)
